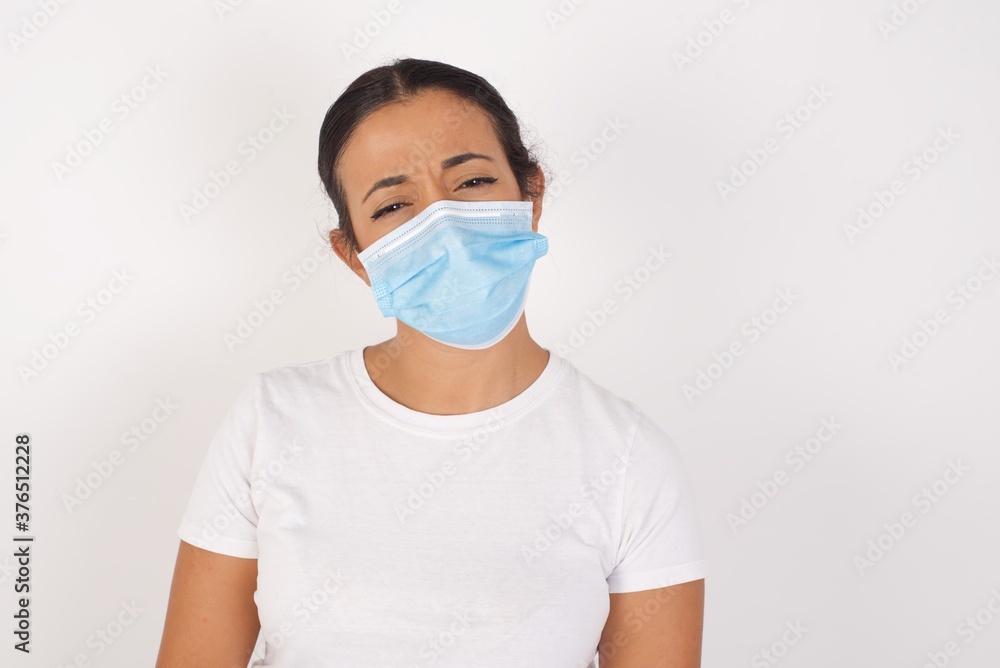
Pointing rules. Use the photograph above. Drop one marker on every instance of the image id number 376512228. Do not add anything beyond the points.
(22, 541)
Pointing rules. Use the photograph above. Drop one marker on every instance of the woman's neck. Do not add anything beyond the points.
(431, 377)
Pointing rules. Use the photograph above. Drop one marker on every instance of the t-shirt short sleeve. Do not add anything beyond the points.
(220, 515)
(660, 541)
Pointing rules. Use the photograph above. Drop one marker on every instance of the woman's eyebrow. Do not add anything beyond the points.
(448, 163)
(463, 157)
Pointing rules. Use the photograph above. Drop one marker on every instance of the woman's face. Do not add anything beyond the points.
(408, 155)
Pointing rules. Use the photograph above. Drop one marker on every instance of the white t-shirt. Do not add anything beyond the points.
(393, 538)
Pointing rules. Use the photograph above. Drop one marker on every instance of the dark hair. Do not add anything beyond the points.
(395, 82)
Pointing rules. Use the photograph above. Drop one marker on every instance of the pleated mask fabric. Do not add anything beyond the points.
(458, 271)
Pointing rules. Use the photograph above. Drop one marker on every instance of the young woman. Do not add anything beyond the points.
(457, 495)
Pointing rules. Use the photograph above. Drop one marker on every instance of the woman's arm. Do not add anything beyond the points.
(655, 628)
(211, 617)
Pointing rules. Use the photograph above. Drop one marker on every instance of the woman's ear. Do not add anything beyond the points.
(342, 247)
(538, 185)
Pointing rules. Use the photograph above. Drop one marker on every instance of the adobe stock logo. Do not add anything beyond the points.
(43, 356)
(101, 640)
(899, 17)
(884, 198)
(788, 125)
(628, 286)
(770, 655)
(381, 18)
(252, 146)
(753, 328)
(705, 38)
(895, 531)
(960, 295)
(968, 629)
(122, 107)
(30, 26)
(797, 457)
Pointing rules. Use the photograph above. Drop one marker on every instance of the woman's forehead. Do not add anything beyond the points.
(402, 138)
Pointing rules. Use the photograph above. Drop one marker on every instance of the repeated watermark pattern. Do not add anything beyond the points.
(364, 35)
(103, 638)
(584, 156)
(883, 199)
(33, 24)
(796, 458)
(722, 361)
(248, 150)
(778, 649)
(971, 627)
(121, 108)
(267, 473)
(626, 287)
(42, 357)
(307, 607)
(758, 156)
(463, 451)
(895, 530)
(927, 329)
(711, 31)
(877, 155)
(265, 307)
(100, 471)
(900, 16)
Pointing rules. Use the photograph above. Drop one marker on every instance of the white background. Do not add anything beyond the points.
(682, 129)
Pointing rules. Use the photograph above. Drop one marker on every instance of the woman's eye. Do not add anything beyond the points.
(484, 179)
(388, 209)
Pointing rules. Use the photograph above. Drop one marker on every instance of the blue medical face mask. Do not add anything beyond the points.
(457, 271)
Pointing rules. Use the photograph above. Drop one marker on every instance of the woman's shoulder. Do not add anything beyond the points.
(603, 414)
(595, 398)
(319, 375)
